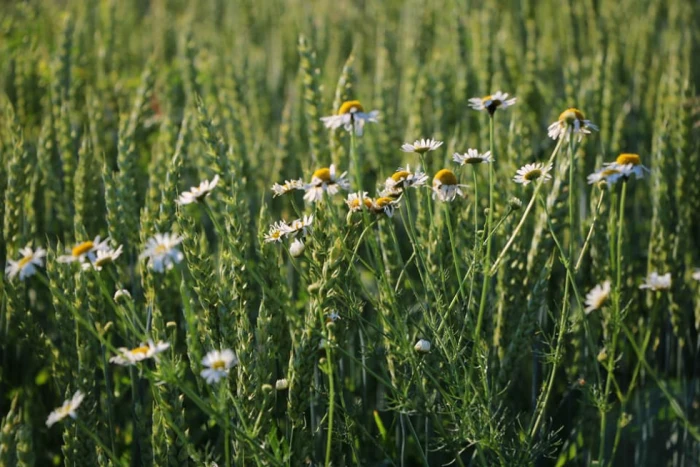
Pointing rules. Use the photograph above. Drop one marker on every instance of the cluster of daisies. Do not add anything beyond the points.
(655, 282)
(298, 228)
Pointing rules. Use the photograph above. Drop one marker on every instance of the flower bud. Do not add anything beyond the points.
(296, 249)
(422, 346)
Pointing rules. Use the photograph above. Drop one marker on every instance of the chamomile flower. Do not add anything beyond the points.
(103, 258)
(422, 346)
(296, 249)
(597, 297)
(607, 174)
(287, 186)
(402, 179)
(198, 193)
(161, 251)
(355, 201)
(351, 115)
(492, 102)
(696, 275)
(325, 180)
(627, 165)
(422, 146)
(472, 156)
(27, 265)
(571, 121)
(68, 409)
(299, 225)
(656, 282)
(85, 251)
(445, 186)
(140, 353)
(218, 364)
(276, 232)
(531, 172)
(384, 205)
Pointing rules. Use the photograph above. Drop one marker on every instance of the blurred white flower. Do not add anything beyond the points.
(351, 115)
(531, 172)
(198, 193)
(402, 179)
(296, 249)
(121, 293)
(161, 251)
(325, 180)
(597, 297)
(218, 364)
(472, 156)
(103, 257)
(422, 346)
(144, 351)
(68, 409)
(289, 185)
(85, 251)
(445, 186)
(27, 265)
(491, 103)
(571, 121)
(656, 282)
(422, 146)
(355, 201)
(276, 232)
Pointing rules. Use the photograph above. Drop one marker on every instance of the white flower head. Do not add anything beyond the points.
(422, 146)
(656, 282)
(143, 352)
(608, 174)
(531, 172)
(472, 156)
(289, 185)
(355, 201)
(696, 274)
(422, 346)
(571, 121)
(597, 297)
(402, 179)
(627, 165)
(68, 409)
(198, 193)
(276, 232)
(103, 257)
(218, 364)
(161, 251)
(351, 115)
(325, 180)
(299, 225)
(296, 249)
(27, 265)
(384, 205)
(445, 186)
(281, 384)
(122, 293)
(492, 102)
(85, 251)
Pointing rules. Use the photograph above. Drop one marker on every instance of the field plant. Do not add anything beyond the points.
(287, 233)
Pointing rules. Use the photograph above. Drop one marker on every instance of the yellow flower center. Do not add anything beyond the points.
(533, 174)
(445, 177)
(23, 262)
(600, 300)
(350, 107)
(218, 365)
(355, 203)
(83, 248)
(609, 172)
(143, 350)
(383, 201)
(569, 116)
(276, 234)
(103, 260)
(399, 177)
(160, 249)
(323, 174)
(624, 159)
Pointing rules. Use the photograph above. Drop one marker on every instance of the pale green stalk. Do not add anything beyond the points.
(331, 405)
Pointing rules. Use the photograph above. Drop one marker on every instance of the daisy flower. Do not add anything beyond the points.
(531, 172)
(571, 121)
(26, 266)
(421, 146)
(289, 185)
(472, 156)
(68, 409)
(627, 165)
(198, 193)
(403, 178)
(597, 297)
(121, 293)
(142, 352)
(85, 250)
(296, 249)
(656, 282)
(218, 363)
(384, 205)
(103, 257)
(491, 103)
(325, 180)
(351, 115)
(696, 275)
(356, 200)
(276, 232)
(607, 174)
(299, 225)
(445, 186)
(162, 253)
(422, 346)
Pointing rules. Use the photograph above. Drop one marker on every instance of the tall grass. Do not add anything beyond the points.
(449, 332)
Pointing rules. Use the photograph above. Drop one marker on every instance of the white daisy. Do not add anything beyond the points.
(607, 174)
(384, 205)
(218, 363)
(27, 265)
(103, 257)
(325, 180)
(531, 172)
(472, 156)
(85, 250)
(162, 253)
(351, 115)
(403, 178)
(356, 200)
(121, 293)
(656, 282)
(491, 103)
(68, 409)
(627, 165)
(571, 121)
(142, 352)
(299, 225)
(296, 249)
(198, 193)
(422, 146)
(696, 275)
(422, 346)
(597, 297)
(289, 185)
(445, 186)
(276, 232)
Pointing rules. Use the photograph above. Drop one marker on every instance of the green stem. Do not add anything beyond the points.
(455, 258)
(98, 441)
(331, 405)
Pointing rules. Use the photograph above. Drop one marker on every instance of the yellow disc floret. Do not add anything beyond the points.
(143, 350)
(23, 262)
(218, 365)
(83, 248)
(350, 107)
(445, 177)
(323, 174)
(569, 116)
(624, 159)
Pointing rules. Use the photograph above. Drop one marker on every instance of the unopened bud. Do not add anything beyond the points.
(296, 249)
(422, 346)
(515, 203)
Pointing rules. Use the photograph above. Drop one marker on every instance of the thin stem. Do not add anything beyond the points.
(331, 405)
(455, 258)
(590, 231)
(98, 441)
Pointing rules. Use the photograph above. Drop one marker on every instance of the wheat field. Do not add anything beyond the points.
(376, 233)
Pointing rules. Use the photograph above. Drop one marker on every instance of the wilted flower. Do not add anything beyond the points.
(445, 186)
(384, 205)
(103, 257)
(198, 193)
(472, 156)
(402, 179)
(656, 282)
(491, 103)
(298, 225)
(218, 364)
(289, 185)
(571, 121)
(351, 115)
(85, 250)
(422, 146)
(356, 200)
(161, 251)
(68, 409)
(325, 180)
(296, 249)
(26, 266)
(531, 172)
(142, 352)
(597, 297)
(276, 232)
